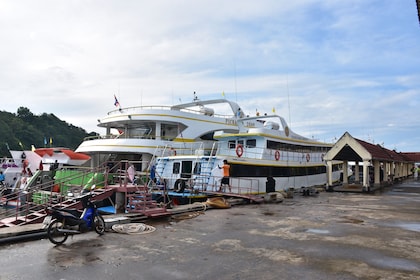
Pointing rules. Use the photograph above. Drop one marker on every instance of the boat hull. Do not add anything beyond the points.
(247, 176)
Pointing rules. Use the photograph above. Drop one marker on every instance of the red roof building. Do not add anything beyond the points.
(388, 165)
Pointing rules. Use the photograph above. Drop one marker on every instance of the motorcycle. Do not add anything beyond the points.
(62, 223)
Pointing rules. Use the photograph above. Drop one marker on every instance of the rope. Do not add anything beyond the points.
(133, 228)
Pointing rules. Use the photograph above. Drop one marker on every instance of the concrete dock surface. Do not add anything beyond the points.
(328, 236)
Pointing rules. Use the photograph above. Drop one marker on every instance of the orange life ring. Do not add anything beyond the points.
(308, 157)
(277, 155)
(239, 150)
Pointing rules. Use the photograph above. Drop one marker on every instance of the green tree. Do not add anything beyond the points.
(29, 129)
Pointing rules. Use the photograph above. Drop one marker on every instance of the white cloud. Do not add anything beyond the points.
(328, 66)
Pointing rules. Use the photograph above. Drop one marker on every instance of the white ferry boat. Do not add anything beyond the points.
(137, 133)
(262, 159)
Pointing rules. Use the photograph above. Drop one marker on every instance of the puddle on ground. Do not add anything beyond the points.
(394, 263)
(409, 226)
(318, 231)
(405, 226)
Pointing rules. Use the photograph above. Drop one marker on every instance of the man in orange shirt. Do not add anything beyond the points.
(226, 174)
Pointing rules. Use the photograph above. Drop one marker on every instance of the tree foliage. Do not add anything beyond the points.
(24, 129)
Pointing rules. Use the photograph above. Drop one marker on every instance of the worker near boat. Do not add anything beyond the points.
(226, 175)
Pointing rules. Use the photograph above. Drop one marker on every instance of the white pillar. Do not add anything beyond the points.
(397, 171)
(356, 173)
(406, 169)
(329, 174)
(345, 172)
(376, 166)
(386, 171)
(392, 171)
(158, 130)
(366, 175)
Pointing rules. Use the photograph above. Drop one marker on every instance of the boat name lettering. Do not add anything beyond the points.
(249, 124)
(231, 122)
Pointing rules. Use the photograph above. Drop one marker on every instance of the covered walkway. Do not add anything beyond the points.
(380, 165)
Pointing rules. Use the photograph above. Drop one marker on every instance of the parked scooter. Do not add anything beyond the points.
(63, 222)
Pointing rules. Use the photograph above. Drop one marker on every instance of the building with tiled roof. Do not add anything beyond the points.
(388, 165)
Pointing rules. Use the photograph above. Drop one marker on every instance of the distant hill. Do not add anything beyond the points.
(20, 131)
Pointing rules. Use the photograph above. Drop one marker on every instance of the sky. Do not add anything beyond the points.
(327, 66)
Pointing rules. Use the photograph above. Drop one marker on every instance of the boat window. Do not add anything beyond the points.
(276, 145)
(169, 131)
(238, 170)
(176, 168)
(232, 144)
(139, 132)
(295, 148)
(186, 169)
(251, 143)
(208, 136)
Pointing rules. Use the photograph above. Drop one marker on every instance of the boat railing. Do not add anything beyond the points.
(54, 187)
(273, 154)
(128, 172)
(136, 109)
(221, 149)
(133, 109)
(124, 136)
(187, 149)
(243, 186)
(245, 152)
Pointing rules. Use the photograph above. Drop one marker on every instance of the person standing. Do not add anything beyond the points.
(153, 174)
(2, 178)
(226, 175)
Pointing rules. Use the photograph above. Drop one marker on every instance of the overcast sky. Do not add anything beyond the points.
(327, 66)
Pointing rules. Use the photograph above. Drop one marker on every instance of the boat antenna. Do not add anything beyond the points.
(418, 9)
(234, 73)
(288, 100)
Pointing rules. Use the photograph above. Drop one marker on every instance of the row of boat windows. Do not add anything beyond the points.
(274, 145)
(253, 171)
(167, 131)
(274, 171)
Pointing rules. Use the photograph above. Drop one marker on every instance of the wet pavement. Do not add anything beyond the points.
(330, 236)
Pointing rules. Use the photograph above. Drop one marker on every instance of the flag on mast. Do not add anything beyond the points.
(116, 103)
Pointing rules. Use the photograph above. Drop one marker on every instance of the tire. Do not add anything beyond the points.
(179, 186)
(54, 235)
(176, 185)
(99, 224)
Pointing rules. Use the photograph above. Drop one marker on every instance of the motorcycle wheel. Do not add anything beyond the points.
(99, 224)
(53, 233)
